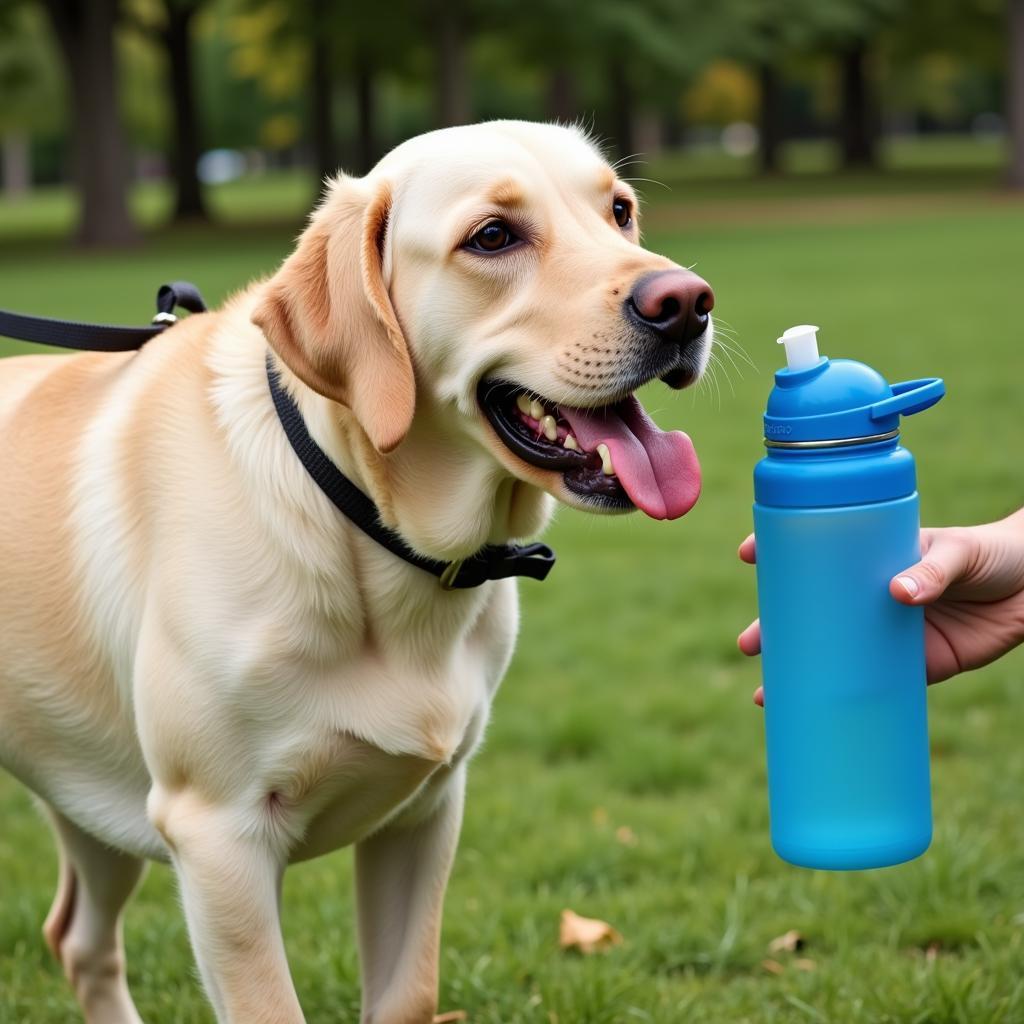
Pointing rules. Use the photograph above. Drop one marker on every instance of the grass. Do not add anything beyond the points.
(627, 703)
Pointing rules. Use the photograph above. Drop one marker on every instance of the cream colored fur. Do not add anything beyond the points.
(201, 661)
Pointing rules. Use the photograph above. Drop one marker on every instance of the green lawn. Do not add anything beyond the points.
(627, 703)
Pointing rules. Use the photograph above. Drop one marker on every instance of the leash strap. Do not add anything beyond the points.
(492, 562)
(103, 337)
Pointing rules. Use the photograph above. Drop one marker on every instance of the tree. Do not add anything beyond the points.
(452, 83)
(1015, 93)
(851, 34)
(628, 57)
(31, 89)
(770, 33)
(176, 37)
(857, 124)
(321, 94)
(764, 34)
(172, 30)
(770, 117)
(977, 36)
(84, 30)
(322, 50)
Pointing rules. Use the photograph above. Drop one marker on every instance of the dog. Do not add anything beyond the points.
(203, 662)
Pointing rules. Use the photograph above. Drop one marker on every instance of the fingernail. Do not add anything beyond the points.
(909, 584)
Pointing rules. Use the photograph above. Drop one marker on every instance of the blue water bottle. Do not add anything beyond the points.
(835, 518)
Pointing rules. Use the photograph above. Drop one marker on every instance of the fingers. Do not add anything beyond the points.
(746, 551)
(946, 561)
(749, 641)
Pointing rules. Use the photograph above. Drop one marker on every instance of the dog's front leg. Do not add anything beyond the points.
(230, 879)
(401, 875)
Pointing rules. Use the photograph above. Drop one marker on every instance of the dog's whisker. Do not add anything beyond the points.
(628, 160)
(732, 354)
(735, 348)
(712, 374)
(725, 371)
(652, 181)
(728, 355)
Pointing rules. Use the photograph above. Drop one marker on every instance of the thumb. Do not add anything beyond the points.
(925, 582)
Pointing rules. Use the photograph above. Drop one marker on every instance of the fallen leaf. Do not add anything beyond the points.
(772, 966)
(803, 964)
(586, 934)
(791, 942)
(625, 835)
(451, 1017)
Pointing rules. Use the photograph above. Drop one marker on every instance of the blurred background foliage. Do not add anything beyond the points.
(104, 93)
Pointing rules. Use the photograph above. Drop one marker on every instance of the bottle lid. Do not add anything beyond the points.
(801, 347)
(820, 399)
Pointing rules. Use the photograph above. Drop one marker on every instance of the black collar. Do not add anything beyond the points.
(491, 562)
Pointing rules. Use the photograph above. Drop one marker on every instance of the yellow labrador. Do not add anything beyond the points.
(203, 662)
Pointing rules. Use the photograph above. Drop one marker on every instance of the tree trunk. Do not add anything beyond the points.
(365, 114)
(673, 128)
(622, 110)
(561, 96)
(16, 159)
(321, 87)
(769, 124)
(858, 123)
(1015, 85)
(189, 204)
(450, 50)
(85, 33)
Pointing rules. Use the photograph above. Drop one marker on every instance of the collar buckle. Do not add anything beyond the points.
(451, 571)
(498, 562)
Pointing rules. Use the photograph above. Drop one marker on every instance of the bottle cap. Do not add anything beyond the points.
(801, 347)
(820, 399)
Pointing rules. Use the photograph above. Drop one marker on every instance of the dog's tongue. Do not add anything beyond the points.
(658, 469)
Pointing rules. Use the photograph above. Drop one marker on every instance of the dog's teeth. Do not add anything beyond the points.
(550, 428)
(536, 410)
(606, 460)
(571, 443)
(523, 403)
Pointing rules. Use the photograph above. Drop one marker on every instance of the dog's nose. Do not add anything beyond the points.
(675, 303)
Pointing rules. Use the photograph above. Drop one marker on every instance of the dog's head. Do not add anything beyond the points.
(493, 275)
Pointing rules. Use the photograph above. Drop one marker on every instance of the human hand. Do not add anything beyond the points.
(971, 582)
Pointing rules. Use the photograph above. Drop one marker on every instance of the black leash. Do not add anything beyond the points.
(492, 562)
(103, 337)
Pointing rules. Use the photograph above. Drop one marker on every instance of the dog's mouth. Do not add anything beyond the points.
(614, 456)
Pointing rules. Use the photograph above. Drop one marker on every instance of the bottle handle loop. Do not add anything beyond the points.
(910, 396)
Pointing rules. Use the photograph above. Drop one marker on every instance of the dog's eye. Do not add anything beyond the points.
(492, 237)
(622, 211)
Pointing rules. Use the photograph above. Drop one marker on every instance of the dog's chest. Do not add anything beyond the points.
(337, 705)
(324, 786)
(378, 732)
(336, 792)
(401, 664)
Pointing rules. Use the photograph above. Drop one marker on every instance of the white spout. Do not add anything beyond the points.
(801, 347)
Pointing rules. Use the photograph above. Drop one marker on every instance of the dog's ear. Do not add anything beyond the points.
(328, 315)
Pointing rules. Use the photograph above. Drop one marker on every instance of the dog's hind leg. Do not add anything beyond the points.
(83, 927)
